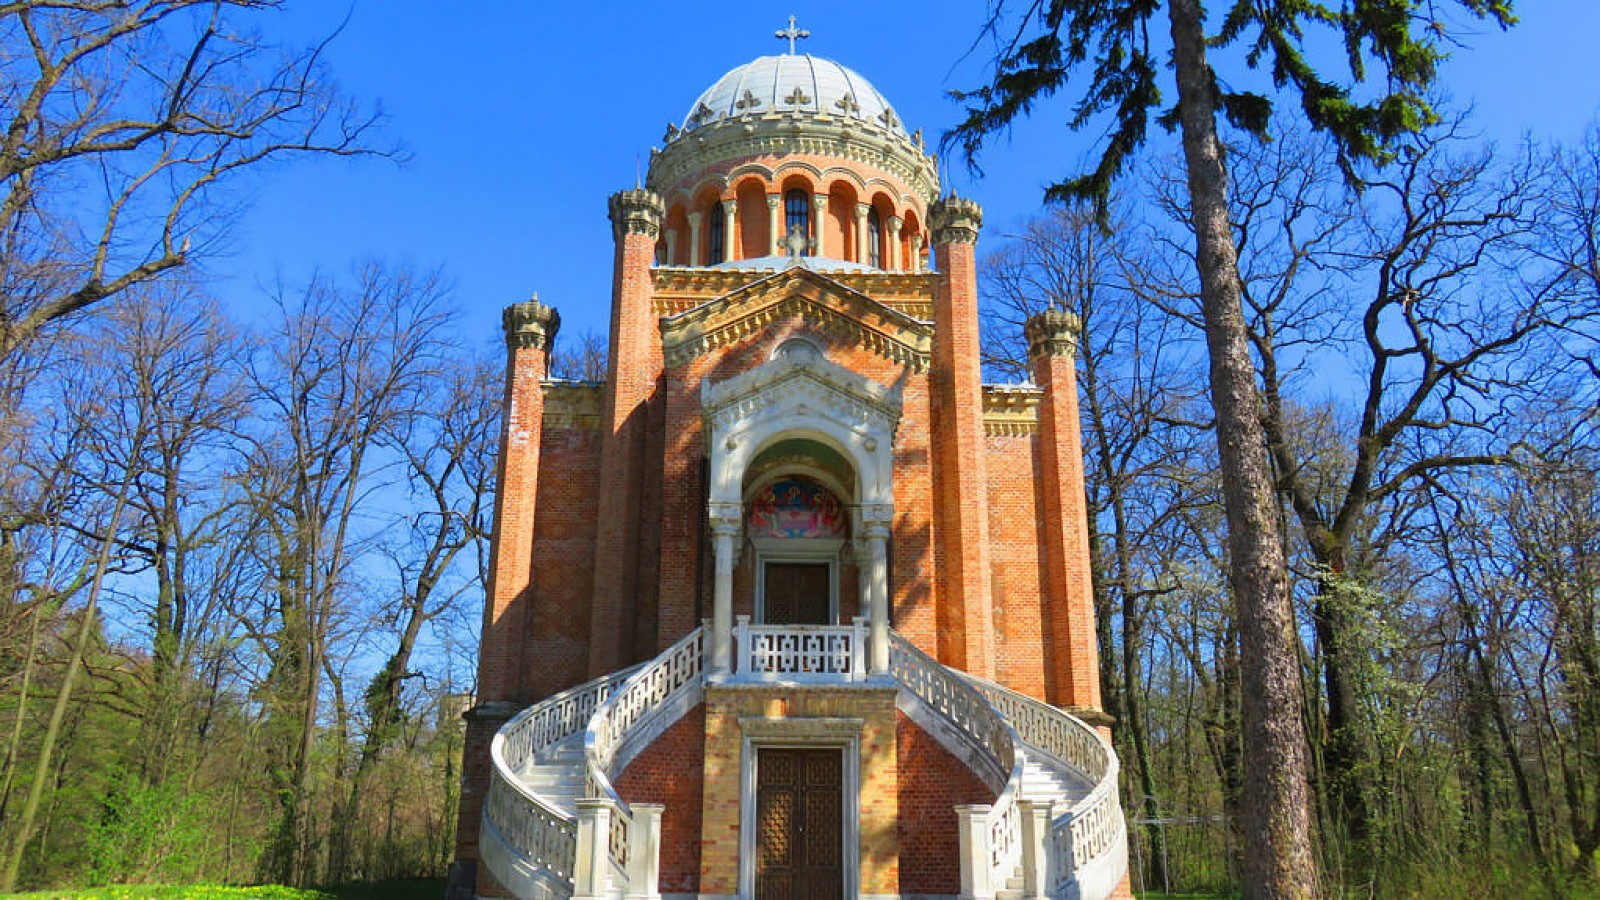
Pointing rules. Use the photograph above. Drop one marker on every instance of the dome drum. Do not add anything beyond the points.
(779, 121)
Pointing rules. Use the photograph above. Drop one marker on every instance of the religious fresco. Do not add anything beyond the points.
(796, 507)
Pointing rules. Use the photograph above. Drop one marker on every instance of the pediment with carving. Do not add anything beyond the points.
(821, 302)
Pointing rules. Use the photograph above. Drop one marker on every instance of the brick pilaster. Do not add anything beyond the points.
(634, 369)
(1075, 680)
(962, 515)
(530, 329)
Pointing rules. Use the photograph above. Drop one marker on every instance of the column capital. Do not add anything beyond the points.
(862, 209)
(729, 206)
(895, 223)
(1053, 332)
(694, 216)
(955, 220)
(774, 201)
(530, 325)
(725, 517)
(636, 212)
(876, 519)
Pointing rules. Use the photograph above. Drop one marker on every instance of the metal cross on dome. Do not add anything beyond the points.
(792, 34)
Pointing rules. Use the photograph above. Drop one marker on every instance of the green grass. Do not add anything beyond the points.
(416, 889)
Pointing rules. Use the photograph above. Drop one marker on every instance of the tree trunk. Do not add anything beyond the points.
(58, 713)
(1275, 813)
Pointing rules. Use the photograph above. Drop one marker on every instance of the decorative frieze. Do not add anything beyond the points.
(574, 405)
(1011, 410)
(1053, 332)
(530, 325)
(636, 212)
(955, 220)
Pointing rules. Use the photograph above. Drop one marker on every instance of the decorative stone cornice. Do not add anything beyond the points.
(1088, 715)
(955, 220)
(1053, 332)
(530, 325)
(679, 289)
(636, 212)
(1011, 410)
(574, 405)
(805, 385)
(813, 298)
(779, 133)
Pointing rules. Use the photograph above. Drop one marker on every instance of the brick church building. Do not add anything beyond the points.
(792, 604)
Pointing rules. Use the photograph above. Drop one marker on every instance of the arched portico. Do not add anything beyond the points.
(799, 394)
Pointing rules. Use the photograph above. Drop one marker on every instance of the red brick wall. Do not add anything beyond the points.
(671, 772)
(556, 646)
(1019, 626)
(932, 784)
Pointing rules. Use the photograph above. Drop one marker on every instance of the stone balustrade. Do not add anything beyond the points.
(609, 849)
(800, 653)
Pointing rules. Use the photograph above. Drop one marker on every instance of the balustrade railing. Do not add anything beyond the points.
(800, 652)
(543, 837)
(1093, 826)
(624, 711)
(646, 693)
(950, 695)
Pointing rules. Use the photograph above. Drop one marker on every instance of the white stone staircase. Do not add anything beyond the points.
(556, 775)
(554, 826)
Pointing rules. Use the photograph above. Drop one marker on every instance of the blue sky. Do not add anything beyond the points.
(520, 118)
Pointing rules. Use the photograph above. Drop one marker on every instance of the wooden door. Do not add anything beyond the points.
(797, 594)
(799, 824)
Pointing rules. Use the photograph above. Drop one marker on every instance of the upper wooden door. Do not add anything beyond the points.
(797, 594)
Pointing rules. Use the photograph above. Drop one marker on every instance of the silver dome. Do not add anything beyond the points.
(793, 83)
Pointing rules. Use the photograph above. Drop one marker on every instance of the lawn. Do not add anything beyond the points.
(418, 889)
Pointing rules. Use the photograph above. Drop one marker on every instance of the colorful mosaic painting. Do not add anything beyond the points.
(796, 508)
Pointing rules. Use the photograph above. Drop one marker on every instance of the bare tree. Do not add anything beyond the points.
(449, 448)
(119, 124)
(348, 368)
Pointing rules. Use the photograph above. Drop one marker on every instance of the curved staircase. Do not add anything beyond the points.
(554, 827)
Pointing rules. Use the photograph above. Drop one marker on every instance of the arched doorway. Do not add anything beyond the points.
(825, 434)
(799, 527)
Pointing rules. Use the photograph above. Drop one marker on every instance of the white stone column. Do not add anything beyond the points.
(694, 240)
(819, 215)
(644, 852)
(916, 253)
(1035, 848)
(892, 252)
(973, 831)
(861, 232)
(775, 224)
(724, 543)
(730, 220)
(875, 530)
(672, 246)
(591, 869)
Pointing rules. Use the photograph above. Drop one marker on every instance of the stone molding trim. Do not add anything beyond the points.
(636, 212)
(807, 396)
(530, 325)
(1011, 410)
(814, 298)
(955, 220)
(793, 132)
(1053, 332)
(574, 405)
